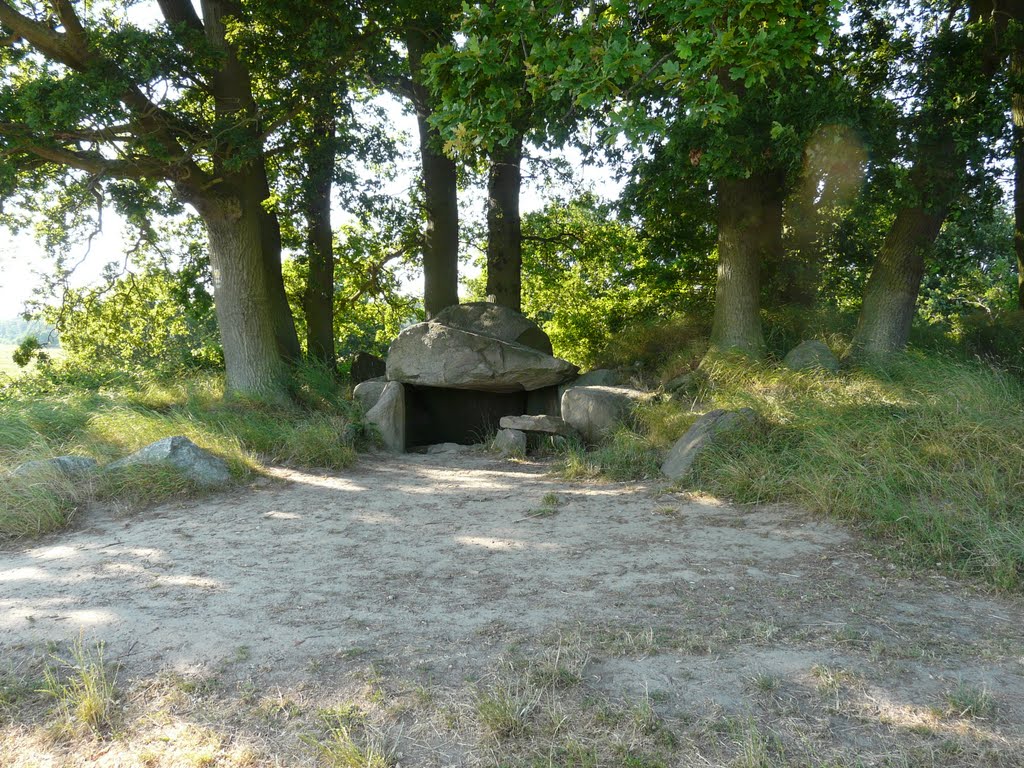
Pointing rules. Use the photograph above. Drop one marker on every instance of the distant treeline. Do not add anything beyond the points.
(13, 331)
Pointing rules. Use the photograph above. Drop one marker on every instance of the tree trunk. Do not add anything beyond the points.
(235, 106)
(890, 296)
(1017, 85)
(440, 193)
(749, 232)
(242, 299)
(504, 226)
(318, 300)
(1018, 206)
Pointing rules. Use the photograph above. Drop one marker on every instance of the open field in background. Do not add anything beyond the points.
(7, 366)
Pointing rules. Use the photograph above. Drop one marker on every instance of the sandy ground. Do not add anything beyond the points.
(431, 572)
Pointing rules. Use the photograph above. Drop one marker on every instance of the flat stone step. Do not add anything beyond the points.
(551, 425)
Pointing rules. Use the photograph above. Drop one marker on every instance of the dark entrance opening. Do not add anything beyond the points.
(466, 416)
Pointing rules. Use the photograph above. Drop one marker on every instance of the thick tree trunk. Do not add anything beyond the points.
(440, 194)
(318, 300)
(242, 297)
(235, 106)
(890, 297)
(1018, 209)
(504, 226)
(749, 232)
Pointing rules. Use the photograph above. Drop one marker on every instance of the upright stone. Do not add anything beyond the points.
(367, 393)
(712, 424)
(595, 411)
(388, 415)
(510, 442)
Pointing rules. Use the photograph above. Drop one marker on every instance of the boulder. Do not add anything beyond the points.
(367, 393)
(510, 442)
(435, 355)
(708, 427)
(70, 466)
(811, 356)
(495, 321)
(594, 411)
(365, 367)
(551, 425)
(388, 415)
(199, 466)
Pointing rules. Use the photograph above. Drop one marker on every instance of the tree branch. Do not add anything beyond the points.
(71, 23)
(53, 44)
(178, 12)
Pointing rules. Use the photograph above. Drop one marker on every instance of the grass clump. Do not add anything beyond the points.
(966, 700)
(927, 454)
(626, 455)
(106, 420)
(84, 689)
(39, 503)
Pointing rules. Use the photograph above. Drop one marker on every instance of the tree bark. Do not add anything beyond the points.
(749, 234)
(245, 314)
(234, 105)
(440, 193)
(504, 226)
(318, 300)
(1018, 207)
(890, 296)
(1017, 110)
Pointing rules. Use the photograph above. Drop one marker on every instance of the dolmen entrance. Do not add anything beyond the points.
(453, 378)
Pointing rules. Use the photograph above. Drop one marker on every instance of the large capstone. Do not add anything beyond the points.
(495, 321)
(435, 355)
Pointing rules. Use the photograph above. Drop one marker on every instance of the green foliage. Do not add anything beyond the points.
(369, 307)
(156, 321)
(587, 276)
(28, 350)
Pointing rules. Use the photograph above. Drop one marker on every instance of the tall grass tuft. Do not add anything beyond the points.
(83, 688)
